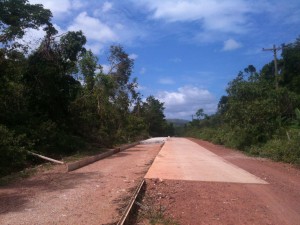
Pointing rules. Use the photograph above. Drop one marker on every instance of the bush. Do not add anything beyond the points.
(13, 154)
(50, 139)
(222, 135)
(281, 149)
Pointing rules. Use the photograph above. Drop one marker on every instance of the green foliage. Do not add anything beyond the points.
(281, 148)
(12, 151)
(50, 86)
(291, 71)
(71, 45)
(50, 139)
(136, 128)
(120, 65)
(200, 114)
(152, 111)
(88, 66)
(297, 119)
(252, 109)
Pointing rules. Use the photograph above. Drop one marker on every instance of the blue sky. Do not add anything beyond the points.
(185, 51)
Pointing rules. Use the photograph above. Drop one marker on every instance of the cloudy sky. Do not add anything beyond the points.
(185, 51)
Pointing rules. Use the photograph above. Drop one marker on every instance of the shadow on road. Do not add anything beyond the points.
(18, 196)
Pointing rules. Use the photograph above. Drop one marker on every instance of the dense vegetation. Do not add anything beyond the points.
(56, 99)
(258, 115)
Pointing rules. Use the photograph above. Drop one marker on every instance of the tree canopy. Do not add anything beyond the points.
(18, 15)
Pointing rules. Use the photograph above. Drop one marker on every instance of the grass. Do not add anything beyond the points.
(153, 214)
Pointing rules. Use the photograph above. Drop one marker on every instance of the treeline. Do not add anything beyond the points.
(260, 113)
(57, 99)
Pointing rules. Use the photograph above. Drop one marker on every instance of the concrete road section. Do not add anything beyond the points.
(182, 159)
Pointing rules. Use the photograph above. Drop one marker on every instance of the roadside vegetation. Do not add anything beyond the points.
(57, 100)
(260, 113)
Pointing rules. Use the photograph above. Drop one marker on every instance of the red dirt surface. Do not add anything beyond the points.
(198, 202)
(94, 194)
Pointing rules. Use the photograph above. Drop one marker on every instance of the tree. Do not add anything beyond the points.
(153, 113)
(16, 116)
(13, 107)
(252, 109)
(200, 114)
(223, 104)
(291, 66)
(88, 65)
(15, 17)
(71, 46)
(49, 81)
(18, 15)
(250, 69)
(120, 65)
(121, 92)
(104, 105)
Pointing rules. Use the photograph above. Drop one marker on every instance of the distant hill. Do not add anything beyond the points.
(178, 122)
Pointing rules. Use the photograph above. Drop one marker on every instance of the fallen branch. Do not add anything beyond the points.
(46, 158)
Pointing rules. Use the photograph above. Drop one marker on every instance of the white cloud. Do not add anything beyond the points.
(107, 6)
(98, 33)
(100, 28)
(213, 15)
(133, 56)
(105, 68)
(57, 8)
(231, 44)
(184, 102)
(166, 80)
(95, 47)
(106, 31)
(78, 4)
(93, 28)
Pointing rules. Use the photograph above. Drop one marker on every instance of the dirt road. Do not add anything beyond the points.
(200, 183)
(94, 194)
(192, 181)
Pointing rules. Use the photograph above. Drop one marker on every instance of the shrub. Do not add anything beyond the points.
(13, 154)
(281, 148)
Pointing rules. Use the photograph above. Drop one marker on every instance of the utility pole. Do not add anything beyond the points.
(274, 49)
